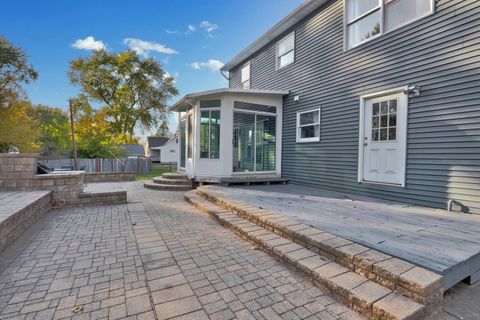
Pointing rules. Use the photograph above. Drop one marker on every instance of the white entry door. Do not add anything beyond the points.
(384, 139)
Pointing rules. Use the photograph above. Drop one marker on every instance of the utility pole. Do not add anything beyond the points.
(74, 143)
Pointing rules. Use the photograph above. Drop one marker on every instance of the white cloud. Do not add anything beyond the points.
(190, 29)
(211, 64)
(208, 26)
(143, 47)
(89, 43)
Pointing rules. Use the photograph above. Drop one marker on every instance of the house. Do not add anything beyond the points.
(378, 98)
(133, 150)
(166, 153)
(152, 144)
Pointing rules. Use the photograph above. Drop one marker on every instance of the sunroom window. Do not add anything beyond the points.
(286, 51)
(246, 76)
(366, 19)
(210, 134)
(308, 126)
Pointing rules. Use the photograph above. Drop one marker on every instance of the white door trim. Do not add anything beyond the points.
(361, 132)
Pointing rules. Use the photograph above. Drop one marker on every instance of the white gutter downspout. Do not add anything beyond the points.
(226, 77)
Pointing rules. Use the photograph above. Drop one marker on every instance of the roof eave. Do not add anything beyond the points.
(179, 106)
(277, 30)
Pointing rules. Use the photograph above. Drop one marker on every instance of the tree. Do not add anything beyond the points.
(17, 127)
(14, 71)
(54, 139)
(92, 131)
(163, 129)
(132, 91)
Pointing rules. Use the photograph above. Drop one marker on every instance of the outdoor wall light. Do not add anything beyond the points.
(413, 91)
(296, 98)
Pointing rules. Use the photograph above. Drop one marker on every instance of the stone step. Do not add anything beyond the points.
(165, 187)
(398, 275)
(161, 180)
(356, 291)
(106, 197)
(175, 176)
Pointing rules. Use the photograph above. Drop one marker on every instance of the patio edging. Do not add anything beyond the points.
(411, 281)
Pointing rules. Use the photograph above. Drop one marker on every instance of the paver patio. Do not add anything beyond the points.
(154, 258)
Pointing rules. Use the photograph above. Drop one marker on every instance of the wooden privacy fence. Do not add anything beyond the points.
(138, 165)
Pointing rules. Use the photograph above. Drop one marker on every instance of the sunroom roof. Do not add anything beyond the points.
(188, 99)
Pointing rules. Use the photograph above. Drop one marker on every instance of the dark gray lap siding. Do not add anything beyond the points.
(441, 53)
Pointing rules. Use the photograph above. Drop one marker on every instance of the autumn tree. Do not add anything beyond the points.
(54, 133)
(15, 71)
(92, 130)
(17, 127)
(131, 91)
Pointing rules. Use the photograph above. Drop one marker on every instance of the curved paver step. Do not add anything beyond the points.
(358, 292)
(175, 176)
(162, 180)
(412, 281)
(165, 187)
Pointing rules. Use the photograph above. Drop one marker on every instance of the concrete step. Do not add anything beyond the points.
(166, 187)
(356, 291)
(162, 180)
(401, 276)
(175, 176)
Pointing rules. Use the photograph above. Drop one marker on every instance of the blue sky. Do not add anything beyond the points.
(202, 33)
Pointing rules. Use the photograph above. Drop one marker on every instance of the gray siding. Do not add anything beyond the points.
(441, 53)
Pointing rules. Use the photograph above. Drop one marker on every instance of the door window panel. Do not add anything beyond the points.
(384, 120)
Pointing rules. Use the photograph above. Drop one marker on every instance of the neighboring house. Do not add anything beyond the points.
(379, 98)
(168, 152)
(152, 144)
(133, 150)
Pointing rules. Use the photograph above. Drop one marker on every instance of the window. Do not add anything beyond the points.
(210, 104)
(210, 130)
(246, 76)
(366, 19)
(384, 121)
(286, 51)
(308, 126)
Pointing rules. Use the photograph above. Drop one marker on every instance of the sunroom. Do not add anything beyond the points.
(227, 133)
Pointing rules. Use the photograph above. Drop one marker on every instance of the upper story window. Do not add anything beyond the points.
(366, 19)
(286, 51)
(246, 76)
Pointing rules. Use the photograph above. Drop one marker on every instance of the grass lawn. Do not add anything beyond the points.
(155, 172)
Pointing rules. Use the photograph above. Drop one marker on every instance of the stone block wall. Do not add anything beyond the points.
(66, 187)
(16, 170)
(19, 172)
(91, 177)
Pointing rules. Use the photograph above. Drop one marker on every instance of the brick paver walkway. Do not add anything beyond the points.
(155, 258)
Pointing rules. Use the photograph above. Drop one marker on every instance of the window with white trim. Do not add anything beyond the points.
(308, 126)
(286, 51)
(367, 19)
(246, 76)
(210, 129)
